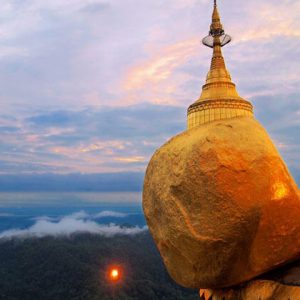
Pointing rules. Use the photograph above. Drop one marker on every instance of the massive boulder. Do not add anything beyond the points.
(221, 205)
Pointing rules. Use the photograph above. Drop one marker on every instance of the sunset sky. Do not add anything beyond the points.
(93, 86)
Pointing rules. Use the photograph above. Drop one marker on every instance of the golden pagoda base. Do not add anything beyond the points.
(208, 111)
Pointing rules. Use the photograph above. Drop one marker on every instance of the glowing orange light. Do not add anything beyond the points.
(114, 274)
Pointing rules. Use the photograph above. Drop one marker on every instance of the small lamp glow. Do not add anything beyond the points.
(114, 274)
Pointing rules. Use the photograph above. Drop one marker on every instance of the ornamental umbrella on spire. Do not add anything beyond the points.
(216, 33)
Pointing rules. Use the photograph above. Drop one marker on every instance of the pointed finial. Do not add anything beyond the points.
(216, 31)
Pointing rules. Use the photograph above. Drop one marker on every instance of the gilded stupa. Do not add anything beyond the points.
(219, 99)
(219, 200)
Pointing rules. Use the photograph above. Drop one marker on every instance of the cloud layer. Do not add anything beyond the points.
(90, 87)
(80, 222)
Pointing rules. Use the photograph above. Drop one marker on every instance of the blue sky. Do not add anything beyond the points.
(96, 86)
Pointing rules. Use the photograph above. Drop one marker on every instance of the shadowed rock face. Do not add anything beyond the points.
(221, 205)
(280, 284)
(254, 290)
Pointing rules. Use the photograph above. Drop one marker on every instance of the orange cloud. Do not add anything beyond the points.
(271, 21)
(132, 159)
(151, 74)
(106, 147)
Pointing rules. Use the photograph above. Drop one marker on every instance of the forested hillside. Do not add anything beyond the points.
(76, 268)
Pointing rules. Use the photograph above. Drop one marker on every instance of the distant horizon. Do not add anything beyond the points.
(74, 182)
(78, 182)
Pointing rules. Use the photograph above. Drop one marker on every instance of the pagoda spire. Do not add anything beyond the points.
(216, 40)
(216, 26)
(219, 98)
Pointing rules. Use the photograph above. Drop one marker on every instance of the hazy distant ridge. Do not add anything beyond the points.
(104, 182)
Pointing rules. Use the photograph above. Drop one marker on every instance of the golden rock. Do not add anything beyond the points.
(219, 201)
(221, 204)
